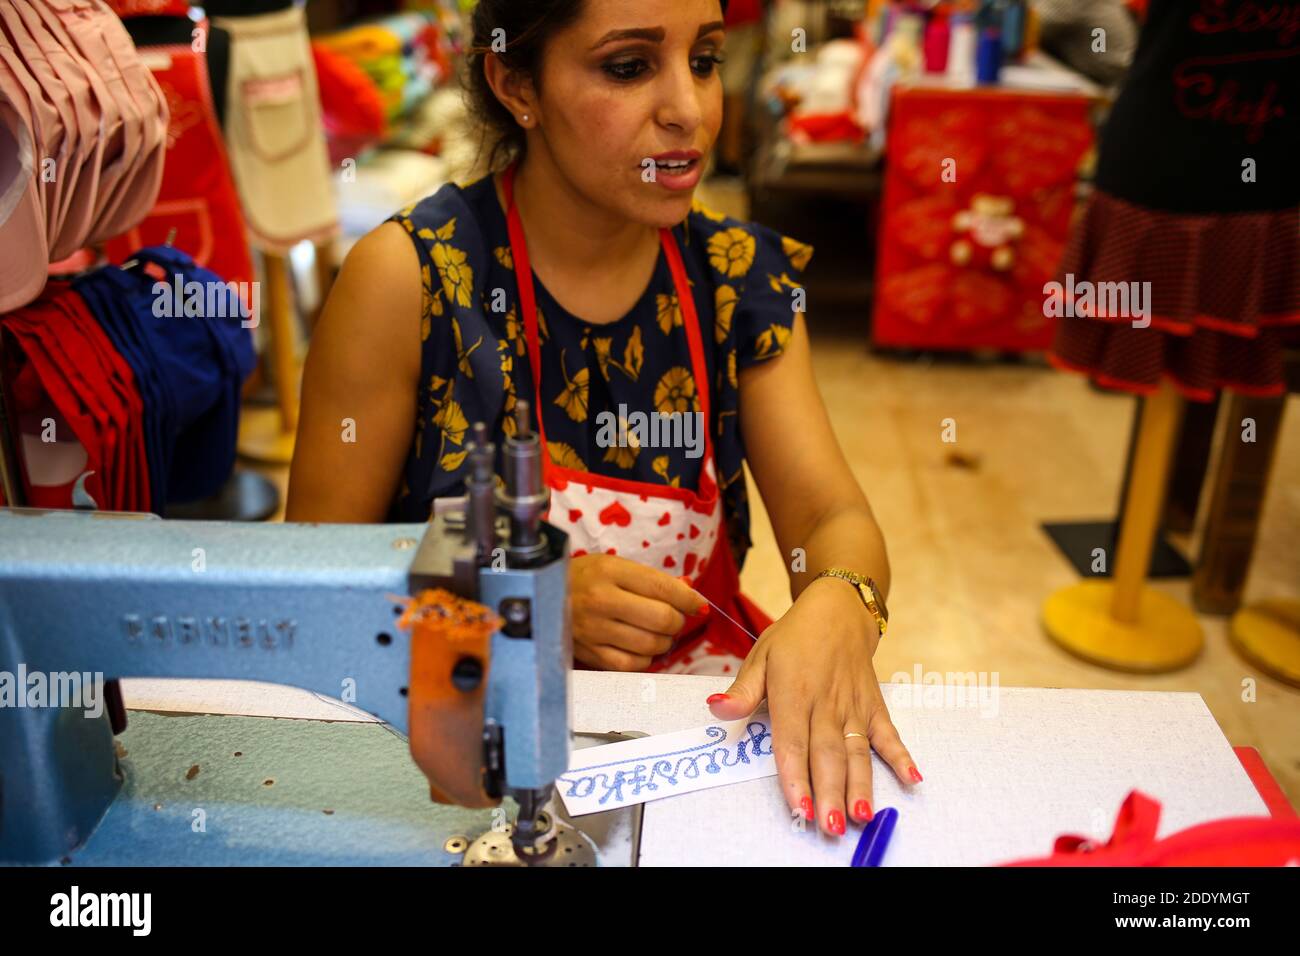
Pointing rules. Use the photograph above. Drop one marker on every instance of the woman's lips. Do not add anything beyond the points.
(679, 171)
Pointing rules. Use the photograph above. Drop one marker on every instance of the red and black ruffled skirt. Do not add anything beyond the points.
(1220, 299)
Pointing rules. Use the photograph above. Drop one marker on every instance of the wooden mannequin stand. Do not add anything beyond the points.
(1121, 623)
(1267, 633)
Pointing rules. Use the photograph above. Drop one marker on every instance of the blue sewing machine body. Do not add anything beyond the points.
(311, 606)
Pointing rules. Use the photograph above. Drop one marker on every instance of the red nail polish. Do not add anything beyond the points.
(806, 806)
(835, 822)
(704, 611)
(717, 698)
(914, 774)
(862, 811)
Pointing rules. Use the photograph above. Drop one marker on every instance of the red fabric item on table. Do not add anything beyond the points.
(1236, 841)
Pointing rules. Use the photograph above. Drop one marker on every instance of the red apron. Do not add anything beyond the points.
(197, 197)
(679, 531)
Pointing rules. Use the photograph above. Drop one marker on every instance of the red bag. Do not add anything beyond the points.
(1236, 841)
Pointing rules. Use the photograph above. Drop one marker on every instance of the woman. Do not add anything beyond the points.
(584, 279)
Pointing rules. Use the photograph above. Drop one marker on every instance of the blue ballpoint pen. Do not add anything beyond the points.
(875, 838)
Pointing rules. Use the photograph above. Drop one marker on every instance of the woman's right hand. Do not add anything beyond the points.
(625, 613)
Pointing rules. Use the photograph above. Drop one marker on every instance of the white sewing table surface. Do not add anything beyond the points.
(1004, 776)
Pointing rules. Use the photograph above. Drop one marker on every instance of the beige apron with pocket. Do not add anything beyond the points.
(273, 131)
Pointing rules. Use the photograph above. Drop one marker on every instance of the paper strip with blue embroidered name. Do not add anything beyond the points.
(650, 768)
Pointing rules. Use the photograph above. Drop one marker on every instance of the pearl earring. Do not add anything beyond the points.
(524, 118)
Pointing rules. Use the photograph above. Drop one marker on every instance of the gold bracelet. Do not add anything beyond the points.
(867, 590)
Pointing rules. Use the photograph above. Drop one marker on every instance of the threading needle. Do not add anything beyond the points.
(728, 617)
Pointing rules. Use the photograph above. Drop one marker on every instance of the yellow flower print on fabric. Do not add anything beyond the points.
(462, 353)
(731, 251)
(706, 212)
(731, 368)
(573, 398)
(669, 312)
(457, 275)
(676, 392)
(771, 342)
(624, 456)
(515, 332)
(431, 305)
(603, 346)
(505, 256)
(660, 466)
(452, 264)
(564, 456)
(451, 419)
(782, 283)
(452, 460)
(724, 308)
(634, 355)
(797, 252)
(508, 386)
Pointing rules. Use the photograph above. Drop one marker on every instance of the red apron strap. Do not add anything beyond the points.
(686, 299)
(527, 298)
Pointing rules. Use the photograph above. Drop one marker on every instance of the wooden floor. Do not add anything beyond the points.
(971, 565)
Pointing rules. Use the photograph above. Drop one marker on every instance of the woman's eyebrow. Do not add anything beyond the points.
(652, 34)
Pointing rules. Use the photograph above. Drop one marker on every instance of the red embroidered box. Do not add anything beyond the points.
(979, 190)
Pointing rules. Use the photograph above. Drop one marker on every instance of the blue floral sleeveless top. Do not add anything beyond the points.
(474, 365)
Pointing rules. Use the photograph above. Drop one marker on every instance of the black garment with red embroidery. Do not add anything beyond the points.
(1197, 205)
(474, 368)
(1214, 83)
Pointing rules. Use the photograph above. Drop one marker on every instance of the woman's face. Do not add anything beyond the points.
(631, 103)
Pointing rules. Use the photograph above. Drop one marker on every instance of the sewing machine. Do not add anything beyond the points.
(311, 606)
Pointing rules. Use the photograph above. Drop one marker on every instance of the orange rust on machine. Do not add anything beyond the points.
(446, 722)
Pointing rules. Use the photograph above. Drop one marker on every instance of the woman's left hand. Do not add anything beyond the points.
(814, 666)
